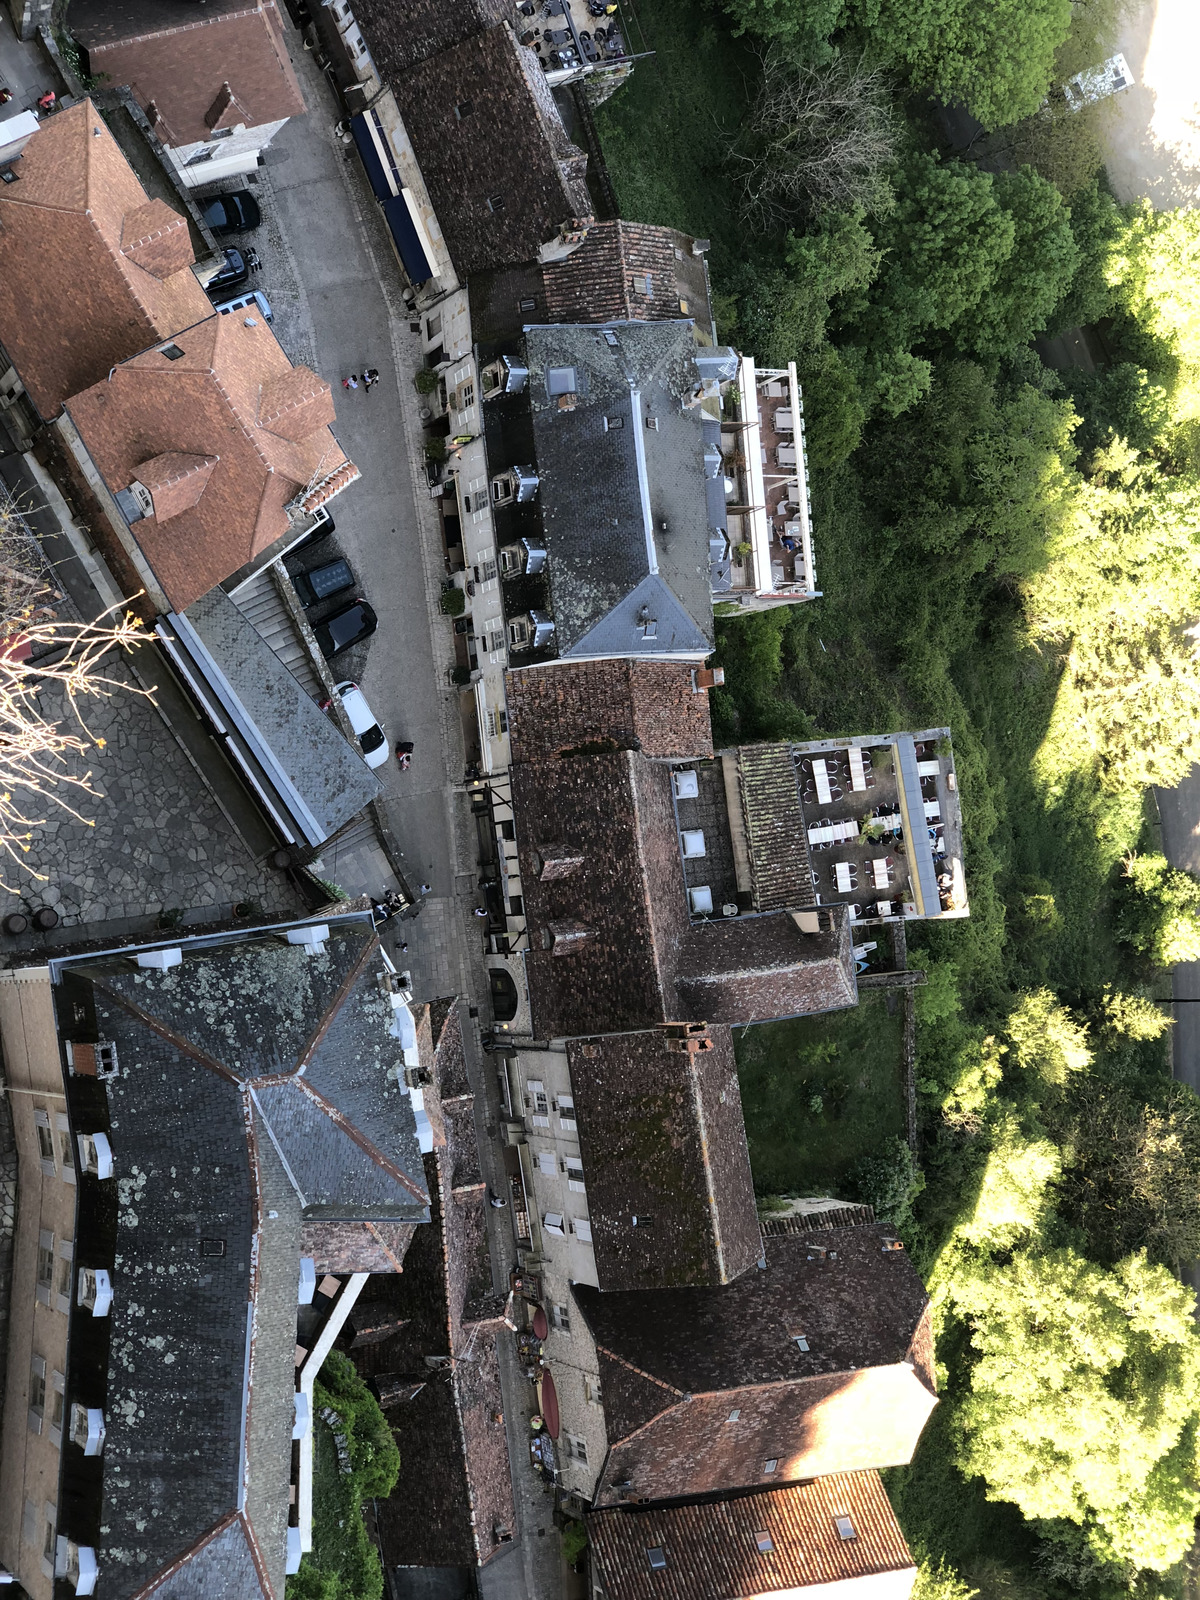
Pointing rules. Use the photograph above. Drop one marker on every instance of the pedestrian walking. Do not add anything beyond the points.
(480, 911)
(351, 382)
(403, 948)
(371, 376)
(424, 889)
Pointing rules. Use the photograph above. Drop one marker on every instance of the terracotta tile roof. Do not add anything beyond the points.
(642, 961)
(703, 1387)
(662, 1139)
(209, 402)
(715, 1550)
(646, 705)
(199, 70)
(605, 280)
(356, 1246)
(91, 271)
(504, 177)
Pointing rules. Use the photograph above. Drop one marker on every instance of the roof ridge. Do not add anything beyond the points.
(710, 1188)
(368, 1146)
(335, 1005)
(161, 1028)
(639, 835)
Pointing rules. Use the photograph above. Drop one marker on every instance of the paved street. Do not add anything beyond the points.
(331, 276)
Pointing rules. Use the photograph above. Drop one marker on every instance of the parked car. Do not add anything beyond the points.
(232, 213)
(1097, 83)
(343, 628)
(231, 276)
(252, 300)
(323, 582)
(371, 738)
(323, 526)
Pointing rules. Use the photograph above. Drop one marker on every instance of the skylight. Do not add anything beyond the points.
(657, 1557)
(845, 1528)
(561, 380)
(765, 1543)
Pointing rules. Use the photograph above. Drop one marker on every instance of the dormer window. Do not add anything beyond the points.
(95, 1155)
(95, 1291)
(643, 283)
(171, 351)
(518, 633)
(87, 1429)
(77, 1564)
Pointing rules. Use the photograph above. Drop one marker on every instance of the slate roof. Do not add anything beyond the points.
(511, 150)
(713, 1548)
(177, 59)
(325, 1073)
(662, 1139)
(620, 507)
(677, 1364)
(405, 36)
(445, 1513)
(91, 271)
(202, 1226)
(223, 398)
(636, 959)
(647, 705)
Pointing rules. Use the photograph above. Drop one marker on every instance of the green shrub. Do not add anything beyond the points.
(426, 380)
(453, 602)
(574, 1542)
(890, 1181)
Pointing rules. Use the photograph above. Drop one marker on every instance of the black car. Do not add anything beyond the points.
(323, 582)
(323, 526)
(232, 213)
(232, 275)
(345, 627)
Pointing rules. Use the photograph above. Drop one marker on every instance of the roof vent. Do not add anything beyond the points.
(312, 938)
(845, 1528)
(770, 1466)
(160, 960)
(730, 909)
(657, 1557)
(734, 1414)
(652, 423)
(687, 784)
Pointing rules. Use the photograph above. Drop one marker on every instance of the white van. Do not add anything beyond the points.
(1097, 83)
(248, 300)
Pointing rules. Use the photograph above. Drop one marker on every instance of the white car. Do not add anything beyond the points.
(372, 740)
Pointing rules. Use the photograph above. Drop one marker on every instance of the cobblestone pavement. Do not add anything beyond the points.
(153, 838)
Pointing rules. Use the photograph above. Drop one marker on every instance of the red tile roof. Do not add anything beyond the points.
(234, 398)
(715, 1551)
(91, 271)
(200, 70)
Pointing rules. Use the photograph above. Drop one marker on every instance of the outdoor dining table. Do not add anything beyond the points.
(879, 871)
(842, 876)
(892, 824)
(884, 908)
(821, 778)
(823, 833)
(933, 811)
(858, 774)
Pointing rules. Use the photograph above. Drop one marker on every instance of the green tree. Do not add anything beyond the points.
(890, 1181)
(1135, 1182)
(1037, 274)
(1046, 1039)
(1084, 1398)
(944, 245)
(1159, 911)
(996, 59)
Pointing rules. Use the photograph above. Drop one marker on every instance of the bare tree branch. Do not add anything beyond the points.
(41, 754)
(817, 139)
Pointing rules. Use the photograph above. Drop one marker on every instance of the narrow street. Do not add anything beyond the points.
(332, 278)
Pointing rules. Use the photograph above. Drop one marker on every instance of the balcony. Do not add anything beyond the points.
(768, 507)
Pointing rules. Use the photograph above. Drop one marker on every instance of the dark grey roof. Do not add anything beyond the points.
(95, 22)
(205, 1242)
(322, 780)
(623, 509)
(254, 1006)
(178, 1324)
(335, 1172)
(221, 1569)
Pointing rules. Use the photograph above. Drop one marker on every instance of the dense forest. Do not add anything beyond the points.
(1012, 550)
